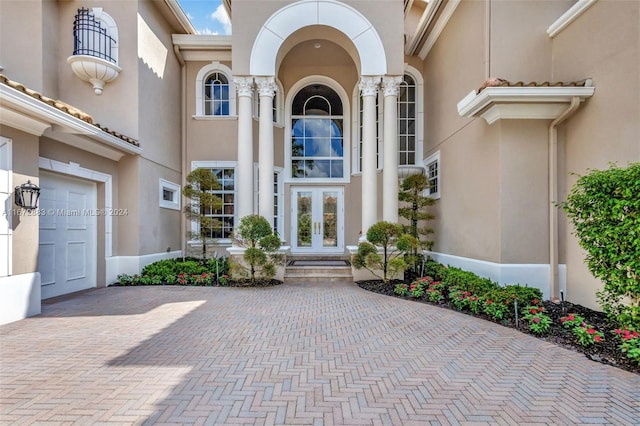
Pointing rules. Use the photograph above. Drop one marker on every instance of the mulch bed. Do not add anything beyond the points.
(605, 352)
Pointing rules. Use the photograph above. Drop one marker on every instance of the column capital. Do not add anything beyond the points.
(369, 85)
(244, 85)
(266, 86)
(391, 85)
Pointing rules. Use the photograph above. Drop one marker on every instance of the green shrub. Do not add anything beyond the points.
(394, 245)
(604, 208)
(468, 281)
(261, 248)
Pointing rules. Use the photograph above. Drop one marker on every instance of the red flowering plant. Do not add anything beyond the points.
(630, 342)
(586, 333)
(538, 321)
(416, 289)
(401, 289)
(572, 321)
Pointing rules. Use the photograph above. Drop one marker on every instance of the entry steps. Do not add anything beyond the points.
(324, 269)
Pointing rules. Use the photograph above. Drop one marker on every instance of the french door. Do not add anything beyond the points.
(317, 219)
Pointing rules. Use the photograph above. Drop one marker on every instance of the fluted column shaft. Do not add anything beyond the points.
(244, 170)
(369, 89)
(390, 86)
(267, 88)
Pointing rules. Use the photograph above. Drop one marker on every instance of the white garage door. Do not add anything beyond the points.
(67, 255)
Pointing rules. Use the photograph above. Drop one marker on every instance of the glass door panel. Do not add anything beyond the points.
(317, 226)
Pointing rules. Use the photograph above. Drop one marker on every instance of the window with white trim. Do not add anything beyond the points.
(215, 92)
(432, 166)
(278, 197)
(169, 195)
(224, 214)
(407, 121)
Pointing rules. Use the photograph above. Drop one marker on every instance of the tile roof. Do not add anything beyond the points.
(66, 108)
(499, 82)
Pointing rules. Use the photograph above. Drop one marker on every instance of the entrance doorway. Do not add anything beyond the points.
(317, 220)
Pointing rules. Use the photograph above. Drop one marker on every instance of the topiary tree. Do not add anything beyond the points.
(414, 208)
(262, 245)
(394, 245)
(604, 208)
(199, 190)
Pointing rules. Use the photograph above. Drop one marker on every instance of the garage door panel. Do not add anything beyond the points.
(76, 260)
(78, 210)
(68, 234)
(47, 263)
(47, 203)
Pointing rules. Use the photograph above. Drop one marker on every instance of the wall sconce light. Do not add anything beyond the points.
(26, 195)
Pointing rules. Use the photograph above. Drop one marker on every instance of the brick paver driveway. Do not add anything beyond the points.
(292, 354)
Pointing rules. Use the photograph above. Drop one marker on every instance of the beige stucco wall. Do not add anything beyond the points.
(24, 227)
(118, 106)
(603, 44)
(21, 42)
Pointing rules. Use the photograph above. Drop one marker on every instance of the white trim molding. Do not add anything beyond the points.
(526, 274)
(495, 103)
(569, 16)
(174, 188)
(439, 26)
(330, 13)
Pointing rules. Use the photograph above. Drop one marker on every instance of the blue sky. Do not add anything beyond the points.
(207, 16)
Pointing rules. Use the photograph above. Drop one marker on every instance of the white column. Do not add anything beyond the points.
(390, 86)
(244, 195)
(267, 87)
(369, 88)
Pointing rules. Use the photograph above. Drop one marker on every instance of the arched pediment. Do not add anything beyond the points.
(331, 13)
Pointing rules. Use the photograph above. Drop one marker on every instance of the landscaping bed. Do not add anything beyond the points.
(606, 351)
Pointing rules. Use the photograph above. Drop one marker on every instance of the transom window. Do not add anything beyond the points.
(216, 94)
(407, 121)
(317, 142)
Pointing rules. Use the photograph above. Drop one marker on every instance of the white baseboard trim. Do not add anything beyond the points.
(19, 297)
(529, 274)
(131, 265)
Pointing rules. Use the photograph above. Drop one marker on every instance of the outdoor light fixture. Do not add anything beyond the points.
(26, 195)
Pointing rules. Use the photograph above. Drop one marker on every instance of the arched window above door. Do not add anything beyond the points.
(317, 134)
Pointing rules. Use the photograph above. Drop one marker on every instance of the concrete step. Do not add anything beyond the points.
(318, 274)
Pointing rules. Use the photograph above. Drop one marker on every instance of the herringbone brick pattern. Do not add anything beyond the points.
(308, 354)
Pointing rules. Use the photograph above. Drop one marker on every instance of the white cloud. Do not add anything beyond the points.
(220, 15)
(207, 31)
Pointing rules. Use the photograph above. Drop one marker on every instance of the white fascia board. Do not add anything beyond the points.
(423, 24)
(474, 104)
(182, 18)
(46, 113)
(441, 23)
(202, 42)
(569, 16)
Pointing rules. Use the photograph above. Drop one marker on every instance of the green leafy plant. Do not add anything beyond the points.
(401, 289)
(571, 321)
(539, 322)
(199, 187)
(416, 289)
(630, 342)
(587, 334)
(393, 243)
(261, 248)
(496, 310)
(604, 208)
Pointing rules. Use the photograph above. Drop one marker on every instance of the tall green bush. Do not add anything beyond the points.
(394, 245)
(261, 247)
(604, 208)
(199, 190)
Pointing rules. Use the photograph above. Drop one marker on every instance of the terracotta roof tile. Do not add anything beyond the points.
(65, 107)
(499, 82)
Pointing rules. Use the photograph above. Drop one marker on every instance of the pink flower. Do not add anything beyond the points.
(597, 338)
(591, 331)
(536, 320)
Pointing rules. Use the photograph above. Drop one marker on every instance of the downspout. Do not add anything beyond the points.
(554, 292)
(183, 143)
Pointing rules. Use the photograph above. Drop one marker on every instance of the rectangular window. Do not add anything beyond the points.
(432, 165)
(278, 220)
(224, 213)
(169, 195)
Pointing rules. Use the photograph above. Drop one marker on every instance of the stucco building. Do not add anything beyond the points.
(308, 114)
